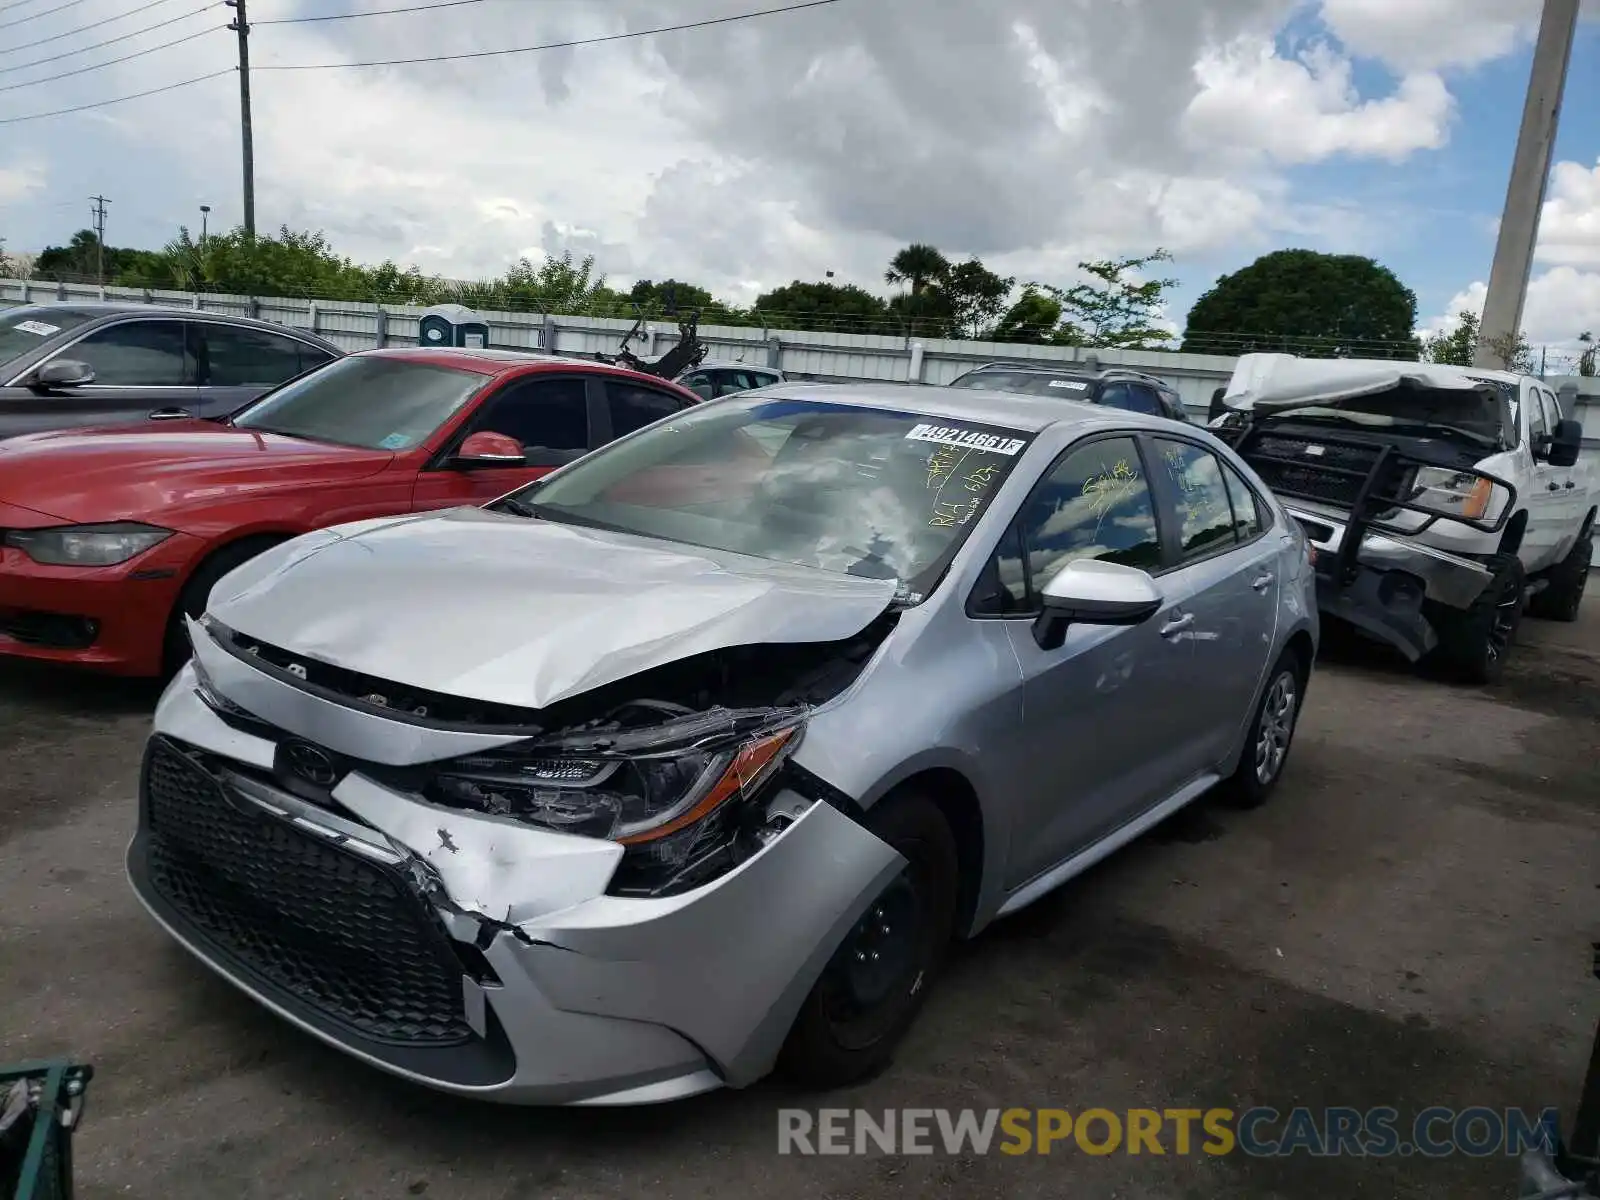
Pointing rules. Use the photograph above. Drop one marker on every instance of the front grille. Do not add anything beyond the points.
(332, 929)
(1334, 476)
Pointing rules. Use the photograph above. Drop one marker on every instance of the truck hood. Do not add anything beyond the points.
(1282, 382)
(162, 468)
(524, 613)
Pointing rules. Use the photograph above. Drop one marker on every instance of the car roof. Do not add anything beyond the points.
(492, 361)
(1012, 410)
(730, 364)
(94, 310)
(1078, 370)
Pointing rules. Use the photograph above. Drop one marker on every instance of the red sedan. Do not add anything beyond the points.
(107, 535)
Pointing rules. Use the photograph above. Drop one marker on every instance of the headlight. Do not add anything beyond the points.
(637, 786)
(87, 545)
(1456, 493)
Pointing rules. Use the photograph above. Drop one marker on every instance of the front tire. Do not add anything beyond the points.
(197, 591)
(1474, 644)
(876, 982)
(1561, 599)
(1266, 749)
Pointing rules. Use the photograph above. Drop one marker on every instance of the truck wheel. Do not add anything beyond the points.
(1473, 644)
(876, 981)
(1560, 600)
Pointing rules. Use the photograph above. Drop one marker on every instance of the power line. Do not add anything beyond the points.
(111, 62)
(39, 62)
(589, 41)
(381, 12)
(4, 8)
(56, 37)
(37, 15)
(61, 112)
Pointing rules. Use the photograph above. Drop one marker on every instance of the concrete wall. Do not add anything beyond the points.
(805, 354)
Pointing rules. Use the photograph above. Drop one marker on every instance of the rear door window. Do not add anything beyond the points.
(233, 356)
(633, 406)
(1131, 396)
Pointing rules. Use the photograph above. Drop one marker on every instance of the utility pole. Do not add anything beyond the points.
(241, 25)
(1530, 169)
(100, 203)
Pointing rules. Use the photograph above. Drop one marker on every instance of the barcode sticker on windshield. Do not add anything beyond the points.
(38, 328)
(970, 439)
(1070, 383)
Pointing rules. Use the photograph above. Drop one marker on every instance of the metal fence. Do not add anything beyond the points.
(804, 354)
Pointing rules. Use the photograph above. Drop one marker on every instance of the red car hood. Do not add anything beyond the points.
(141, 472)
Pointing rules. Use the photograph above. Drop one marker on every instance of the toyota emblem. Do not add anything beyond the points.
(309, 763)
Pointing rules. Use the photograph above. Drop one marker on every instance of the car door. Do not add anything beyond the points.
(1226, 578)
(555, 418)
(236, 363)
(140, 365)
(1097, 711)
(1545, 498)
(1573, 500)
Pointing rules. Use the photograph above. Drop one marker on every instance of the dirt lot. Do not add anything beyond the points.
(1407, 924)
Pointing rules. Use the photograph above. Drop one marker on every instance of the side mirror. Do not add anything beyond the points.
(63, 372)
(485, 449)
(1089, 592)
(1218, 404)
(1564, 444)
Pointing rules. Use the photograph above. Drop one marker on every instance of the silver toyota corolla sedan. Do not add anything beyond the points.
(690, 760)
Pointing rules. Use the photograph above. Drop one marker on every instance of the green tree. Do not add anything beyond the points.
(1033, 318)
(1453, 347)
(1117, 309)
(821, 305)
(975, 296)
(557, 285)
(1586, 360)
(1328, 305)
(669, 296)
(918, 265)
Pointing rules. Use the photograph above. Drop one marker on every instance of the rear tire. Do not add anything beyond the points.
(197, 591)
(877, 980)
(1474, 643)
(1266, 748)
(1561, 599)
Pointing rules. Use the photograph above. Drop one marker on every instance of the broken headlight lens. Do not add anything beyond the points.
(1459, 494)
(621, 789)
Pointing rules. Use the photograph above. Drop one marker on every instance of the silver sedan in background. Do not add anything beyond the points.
(692, 759)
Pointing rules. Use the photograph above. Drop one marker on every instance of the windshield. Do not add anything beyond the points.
(374, 403)
(25, 329)
(858, 491)
(1030, 383)
(1477, 416)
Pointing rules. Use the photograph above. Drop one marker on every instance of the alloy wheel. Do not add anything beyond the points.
(1276, 727)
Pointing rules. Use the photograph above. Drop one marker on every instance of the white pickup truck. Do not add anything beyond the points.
(1442, 501)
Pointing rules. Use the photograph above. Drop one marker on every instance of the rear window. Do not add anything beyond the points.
(1064, 384)
(23, 330)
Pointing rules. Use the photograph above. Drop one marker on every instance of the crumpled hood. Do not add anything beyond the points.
(1283, 382)
(166, 470)
(511, 611)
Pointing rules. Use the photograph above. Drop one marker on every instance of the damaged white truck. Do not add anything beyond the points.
(1443, 502)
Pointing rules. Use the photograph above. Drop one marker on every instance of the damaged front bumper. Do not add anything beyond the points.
(470, 952)
(1381, 586)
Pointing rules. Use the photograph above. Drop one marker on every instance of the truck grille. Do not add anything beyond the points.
(330, 928)
(1333, 476)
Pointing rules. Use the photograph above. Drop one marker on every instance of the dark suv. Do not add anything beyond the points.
(69, 364)
(1118, 387)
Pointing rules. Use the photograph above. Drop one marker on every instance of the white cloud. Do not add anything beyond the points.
(1306, 109)
(17, 182)
(1429, 34)
(1562, 303)
(1569, 225)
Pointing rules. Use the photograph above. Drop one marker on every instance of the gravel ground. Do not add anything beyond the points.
(1407, 924)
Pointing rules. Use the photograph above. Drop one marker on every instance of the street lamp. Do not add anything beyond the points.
(205, 210)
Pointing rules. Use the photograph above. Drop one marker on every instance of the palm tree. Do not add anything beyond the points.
(919, 265)
(1586, 363)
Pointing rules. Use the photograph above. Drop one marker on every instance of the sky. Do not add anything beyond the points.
(741, 156)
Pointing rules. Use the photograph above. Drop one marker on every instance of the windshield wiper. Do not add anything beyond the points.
(516, 508)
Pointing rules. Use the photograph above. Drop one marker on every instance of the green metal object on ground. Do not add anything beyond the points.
(41, 1104)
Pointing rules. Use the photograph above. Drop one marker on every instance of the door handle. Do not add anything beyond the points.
(1263, 582)
(1552, 487)
(171, 414)
(1570, 485)
(1177, 625)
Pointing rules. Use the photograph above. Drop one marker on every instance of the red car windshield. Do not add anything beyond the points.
(373, 403)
